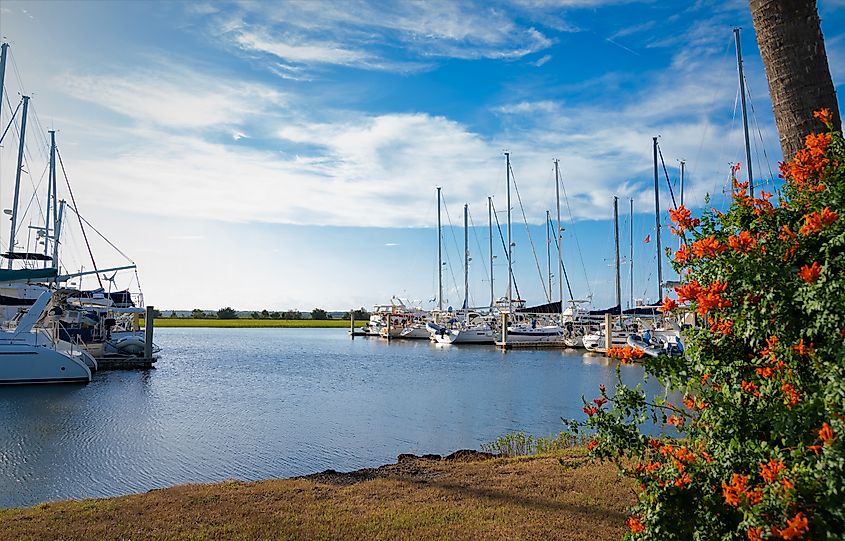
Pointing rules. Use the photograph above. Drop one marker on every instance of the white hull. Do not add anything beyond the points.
(465, 336)
(24, 363)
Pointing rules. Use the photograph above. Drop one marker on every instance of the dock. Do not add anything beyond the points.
(559, 344)
(125, 362)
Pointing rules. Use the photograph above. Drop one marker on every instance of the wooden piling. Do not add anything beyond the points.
(352, 323)
(148, 333)
(608, 334)
(504, 330)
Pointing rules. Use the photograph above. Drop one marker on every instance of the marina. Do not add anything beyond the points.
(254, 406)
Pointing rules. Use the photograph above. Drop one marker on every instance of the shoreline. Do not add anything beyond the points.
(465, 495)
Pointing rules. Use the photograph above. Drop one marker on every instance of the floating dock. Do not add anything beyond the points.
(125, 362)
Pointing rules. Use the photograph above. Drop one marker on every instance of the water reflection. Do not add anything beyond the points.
(261, 403)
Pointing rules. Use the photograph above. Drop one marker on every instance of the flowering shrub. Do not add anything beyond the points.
(757, 450)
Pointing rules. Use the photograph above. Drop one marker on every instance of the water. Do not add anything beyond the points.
(262, 403)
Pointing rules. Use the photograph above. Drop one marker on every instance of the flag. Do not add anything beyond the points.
(647, 239)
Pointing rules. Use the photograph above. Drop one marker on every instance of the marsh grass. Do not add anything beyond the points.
(522, 444)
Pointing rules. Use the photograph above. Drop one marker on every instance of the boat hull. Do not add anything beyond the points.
(26, 364)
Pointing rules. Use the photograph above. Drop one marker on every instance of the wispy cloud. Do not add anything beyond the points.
(542, 60)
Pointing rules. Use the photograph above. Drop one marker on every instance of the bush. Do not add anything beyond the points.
(227, 313)
(756, 449)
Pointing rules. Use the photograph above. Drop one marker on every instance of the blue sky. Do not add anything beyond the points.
(285, 155)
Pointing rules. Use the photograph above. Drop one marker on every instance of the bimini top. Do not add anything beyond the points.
(27, 256)
(25, 275)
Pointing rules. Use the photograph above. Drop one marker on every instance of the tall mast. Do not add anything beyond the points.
(51, 194)
(616, 242)
(549, 254)
(439, 257)
(18, 179)
(466, 256)
(559, 241)
(510, 243)
(744, 113)
(683, 163)
(490, 230)
(632, 252)
(657, 227)
(3, 53)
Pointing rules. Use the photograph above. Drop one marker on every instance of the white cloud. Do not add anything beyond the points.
(542, 60)
(173, 97)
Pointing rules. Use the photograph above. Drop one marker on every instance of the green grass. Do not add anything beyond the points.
(255, 323)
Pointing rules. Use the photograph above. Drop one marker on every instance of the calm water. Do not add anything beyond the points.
(260, 403)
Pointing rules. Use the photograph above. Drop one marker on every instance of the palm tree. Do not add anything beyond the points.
(790, 39)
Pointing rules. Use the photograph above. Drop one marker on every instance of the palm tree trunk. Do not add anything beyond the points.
(790, 39)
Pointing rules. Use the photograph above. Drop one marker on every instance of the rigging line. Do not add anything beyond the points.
(9, 125)
(505, 248)
(528, 231)
(665, 172)
(454, 240)
(100, 234)
(575, 236)
(759, 133)
(478, 243)
(562, 266)
(84, 234)
(34, 196)
(693, 168)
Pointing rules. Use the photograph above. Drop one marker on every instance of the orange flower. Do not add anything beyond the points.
(734, 490)
(742, 243)
(683, 480)
(704, 378)
(590, 410)
(592, 445)
(765, 372)
(682, 217)
(668, 305)
(769, 471)
(754, 497)
(791, 397)
(600, 401)
(816, 221)
(810, 273)
(711, 298)
(826, 434)
(804, 350)
(750, 387)
(796, 527)
(824, 115)
(625, 353)
(722, 326)
(754, 534)
(806, 169)
(635, 525)
(682, 255)
(676, 420)
(688, 292)
(787, 484)
(708, 247)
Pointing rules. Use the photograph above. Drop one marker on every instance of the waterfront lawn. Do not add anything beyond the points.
(550, 497)
(256, 323)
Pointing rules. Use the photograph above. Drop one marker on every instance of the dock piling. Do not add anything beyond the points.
(608, 335)
(352, 323)
(148, 333)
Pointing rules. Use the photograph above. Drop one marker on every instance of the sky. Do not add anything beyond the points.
(281, 155)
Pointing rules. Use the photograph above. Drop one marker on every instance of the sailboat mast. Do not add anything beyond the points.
(549, 253)
(657, 227)
(616, 242)
(490, 231)
(466, 256)
(683, 163)
(51, 194)
(510, 243)
(559, 241)
(3, 52)
(744, 112)
(632, 252)
(439, 256)
(18, 179)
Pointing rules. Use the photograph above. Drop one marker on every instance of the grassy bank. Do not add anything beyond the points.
(548, 497)
(255, 323)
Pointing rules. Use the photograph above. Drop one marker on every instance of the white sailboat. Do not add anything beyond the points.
(28, 356)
